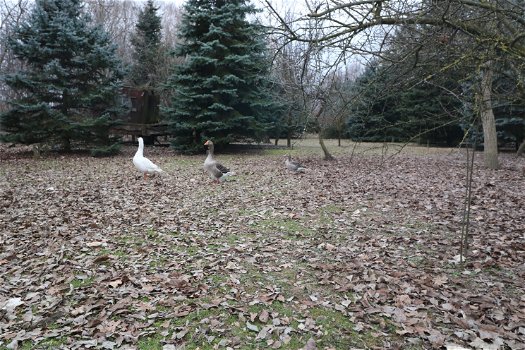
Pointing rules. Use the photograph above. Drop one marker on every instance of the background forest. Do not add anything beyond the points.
(236, 71)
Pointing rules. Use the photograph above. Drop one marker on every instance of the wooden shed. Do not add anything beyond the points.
(143, 118)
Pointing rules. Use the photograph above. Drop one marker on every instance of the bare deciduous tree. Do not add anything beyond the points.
(287, 76)
(495, 30)
(309, 74)
(119, 17)
(11, 14)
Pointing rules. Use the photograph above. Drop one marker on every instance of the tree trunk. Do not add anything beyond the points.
(327, 155)
(37, 151)
(521, 149)
(66, 144)
(289, 129)
(276, 141)
(490, 137)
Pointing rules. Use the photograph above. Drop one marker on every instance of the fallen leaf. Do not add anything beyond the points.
(436, 338)
(310, 345)
(115, 283)
(263, 316)
(252, 327)
(94, 244)
(11, 304)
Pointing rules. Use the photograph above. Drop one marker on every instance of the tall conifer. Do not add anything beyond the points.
(147, 48)
(219, 88)
(69, 82)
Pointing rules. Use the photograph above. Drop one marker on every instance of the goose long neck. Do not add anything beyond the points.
(140, 150)
(210, 150)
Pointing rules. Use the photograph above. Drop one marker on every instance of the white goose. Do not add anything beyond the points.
(143, 164)
(293, 166)
(217, 171)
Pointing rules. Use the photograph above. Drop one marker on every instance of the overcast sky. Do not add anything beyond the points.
(279, 5)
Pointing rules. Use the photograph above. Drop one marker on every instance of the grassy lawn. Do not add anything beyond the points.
(356, 253)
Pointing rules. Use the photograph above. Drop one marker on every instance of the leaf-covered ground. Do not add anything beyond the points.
(357, 253)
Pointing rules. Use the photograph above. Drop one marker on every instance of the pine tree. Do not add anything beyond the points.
(373, 115)
(384, 111)
(219, 90)
(148, 52)
(70, 80)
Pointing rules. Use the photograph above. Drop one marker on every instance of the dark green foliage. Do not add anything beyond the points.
(508, 104)
(431, 114)
(289, 115)
(422, 113)
(106, 151)
(510, 130)
(427, 90)
(148, 52)
(373, 116)
(509, 107)
(334, 132)
(287, 124)
(70, 80)
(220, 90)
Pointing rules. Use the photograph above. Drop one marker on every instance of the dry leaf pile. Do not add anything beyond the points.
(354, 253)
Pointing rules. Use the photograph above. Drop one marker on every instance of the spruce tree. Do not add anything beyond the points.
(384, 111)
(147, 49)
(219, 88)
(70, 80)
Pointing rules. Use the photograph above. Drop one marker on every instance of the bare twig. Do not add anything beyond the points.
(465, 224)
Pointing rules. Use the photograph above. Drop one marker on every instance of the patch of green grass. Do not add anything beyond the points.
(232, 238)
(281, 309)
(231, 325)
(186, 163)
(417, 260)
(212, 247)
(278, 152)
(82, 282)
(26, 345)
(160, 261)
(253, 280)
(196, 316)
(327, 212)
(151, 234)
(53, 325)
(244, 212)
(105, 251)
(150, 342)
(338, 331)
(454, 272)
(191, 250)
(331, 209)
(162, 308)
(217, 280)
(130, 240)
(186, 249)
(48, 344)
(238, 329)
(48, 164)
(292, 228)
(120, 253)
